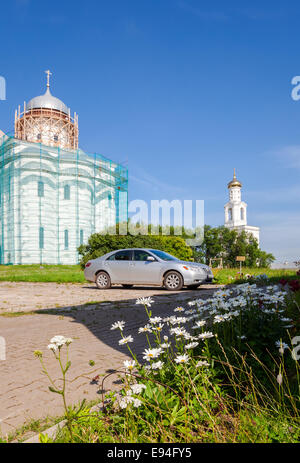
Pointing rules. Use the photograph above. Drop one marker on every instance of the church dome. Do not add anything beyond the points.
(47, 101)
(234, 182)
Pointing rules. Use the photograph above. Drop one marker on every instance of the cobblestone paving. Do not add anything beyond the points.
(24, 389)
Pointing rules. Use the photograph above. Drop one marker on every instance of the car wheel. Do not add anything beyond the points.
(173, 281)
(127, 286)
(193, 286)
(103, 280)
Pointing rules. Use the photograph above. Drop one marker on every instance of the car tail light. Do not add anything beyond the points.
(88, 264)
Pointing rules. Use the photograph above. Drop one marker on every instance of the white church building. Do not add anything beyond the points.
(236, 210)
(53, 195)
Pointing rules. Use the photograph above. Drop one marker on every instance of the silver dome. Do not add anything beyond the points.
(47, 101)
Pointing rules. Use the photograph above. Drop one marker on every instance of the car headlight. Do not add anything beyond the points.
(193, 267)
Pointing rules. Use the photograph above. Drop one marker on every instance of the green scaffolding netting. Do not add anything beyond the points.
(52, 200)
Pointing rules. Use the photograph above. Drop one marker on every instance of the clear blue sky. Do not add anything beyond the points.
(184, 90)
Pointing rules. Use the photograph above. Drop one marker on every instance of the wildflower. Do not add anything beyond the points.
(192, 345)
(181, 320)
(179, 309)
(166, 338)
(219, 319)
(165, 345)
(126, 340)
(150, 354)
(182, 358)
(59, 341)
(178, 331)
(123, 403)
(118, 325)
(137, 403)
(129, 364)
(202, 363)
(68, 341)
(137, 388)
(52, 347)
(145, 329)
(158, 327)
(145, 301)
(155, 320)
(279, 379)
(157, 365)
(206, 335)
(38, 353)
(199, 324)
(282, 346)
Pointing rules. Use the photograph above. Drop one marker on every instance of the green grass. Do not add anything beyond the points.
(42, 273)
(74, 274)
(231, 275)
(15, 314)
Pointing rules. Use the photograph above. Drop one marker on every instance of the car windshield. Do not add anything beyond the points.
(163, 255)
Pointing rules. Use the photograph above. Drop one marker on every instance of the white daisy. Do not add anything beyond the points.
(182, 358)
(202, 363)
(118, 325)
(150, 354)
(126, 340)
(137, 388)
(129, 364)
(145, 301)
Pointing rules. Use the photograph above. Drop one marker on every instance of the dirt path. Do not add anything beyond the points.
(24, 389)
(25, 297)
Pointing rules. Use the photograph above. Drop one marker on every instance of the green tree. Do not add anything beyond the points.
(228, 244)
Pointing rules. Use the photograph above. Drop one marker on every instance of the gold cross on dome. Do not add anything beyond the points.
(48, 77)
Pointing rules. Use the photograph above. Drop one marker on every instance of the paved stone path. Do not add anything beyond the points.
(24, 391)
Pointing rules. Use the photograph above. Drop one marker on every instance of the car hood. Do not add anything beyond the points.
(194, 264)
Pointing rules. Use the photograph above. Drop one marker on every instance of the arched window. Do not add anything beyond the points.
(41, 238)
(66, 239)
(40, 189)
(67, 192)
(242, 214)
(230, 214)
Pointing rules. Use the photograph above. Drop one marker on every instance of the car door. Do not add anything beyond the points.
(119, 266)
(146, 271)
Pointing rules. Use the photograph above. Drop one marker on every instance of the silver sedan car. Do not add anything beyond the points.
(130, 267)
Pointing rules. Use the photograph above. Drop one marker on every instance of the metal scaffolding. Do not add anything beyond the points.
(53, 199)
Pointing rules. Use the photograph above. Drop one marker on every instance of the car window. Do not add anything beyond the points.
(163, 255)
(121, 255)
(140, 255)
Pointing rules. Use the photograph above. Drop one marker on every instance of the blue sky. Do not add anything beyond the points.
(181, 90)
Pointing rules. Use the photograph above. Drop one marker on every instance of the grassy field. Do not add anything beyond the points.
(42, 273)
(232, 275)
(74, 274)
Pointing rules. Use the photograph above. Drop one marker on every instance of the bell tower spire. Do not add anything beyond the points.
(236, 209)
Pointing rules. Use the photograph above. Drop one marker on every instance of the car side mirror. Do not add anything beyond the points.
(150, 259)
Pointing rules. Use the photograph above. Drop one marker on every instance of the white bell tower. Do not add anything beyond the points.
(236, 210)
